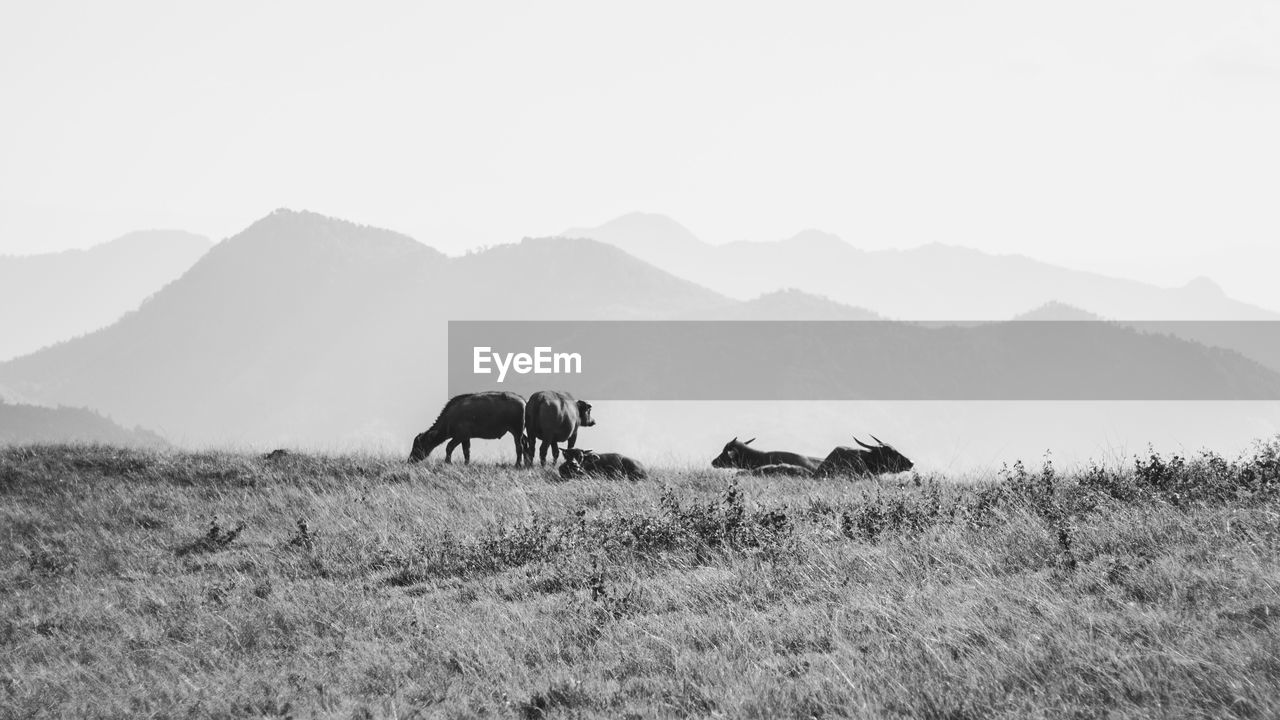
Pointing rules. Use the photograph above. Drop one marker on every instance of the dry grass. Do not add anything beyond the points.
(147, 584)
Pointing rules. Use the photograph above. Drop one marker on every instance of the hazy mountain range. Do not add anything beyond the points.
(305, 330)
(931, 282)
(56, 296)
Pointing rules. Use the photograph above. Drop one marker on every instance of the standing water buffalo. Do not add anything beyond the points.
(737, 455)
(486, 415)
(868, 460)
(581, 463)
(553, 417)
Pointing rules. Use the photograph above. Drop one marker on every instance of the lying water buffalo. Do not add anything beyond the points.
(486, 415)
(736, 454)
(582, 463)
(553, 417)
(867, 460)
(782, 469)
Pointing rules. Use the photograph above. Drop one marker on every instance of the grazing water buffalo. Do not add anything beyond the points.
(867, 460)
(580, 463)
(553, 417)
(486, 415)
(736, 454)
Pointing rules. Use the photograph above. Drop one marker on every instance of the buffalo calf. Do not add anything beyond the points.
(584, 463)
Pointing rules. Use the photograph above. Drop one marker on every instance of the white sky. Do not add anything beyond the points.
(1136, 138)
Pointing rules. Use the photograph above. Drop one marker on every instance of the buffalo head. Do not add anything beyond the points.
(572, 465)
(584, 414)
(731, 455)
(882, 458)
(424, 443)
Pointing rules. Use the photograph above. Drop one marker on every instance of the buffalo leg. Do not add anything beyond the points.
(466, 450)
(448, 450)
(573, 439)
(542, 453)
(519, 447)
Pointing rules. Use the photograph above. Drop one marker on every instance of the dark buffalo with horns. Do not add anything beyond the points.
(485, 415)
(588, 463)
(736, 454)
(553, 417)
(865, 460)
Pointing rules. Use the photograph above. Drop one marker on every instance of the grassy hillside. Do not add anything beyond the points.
(215, 585)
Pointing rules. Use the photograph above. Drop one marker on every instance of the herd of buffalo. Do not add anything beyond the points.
(553, 417)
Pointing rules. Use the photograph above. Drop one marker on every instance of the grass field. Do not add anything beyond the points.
(157, 584)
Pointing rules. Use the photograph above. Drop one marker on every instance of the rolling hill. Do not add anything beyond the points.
(53, 297)
(23, 424)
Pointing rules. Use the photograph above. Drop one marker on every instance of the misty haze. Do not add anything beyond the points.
(313, 332)
(668, 360)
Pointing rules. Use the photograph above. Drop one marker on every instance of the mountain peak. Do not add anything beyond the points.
(1202, 285)
(650, 222)
(817, 239)
(286, 230)
(795, 304)
(1054, 310)
(654, 238)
